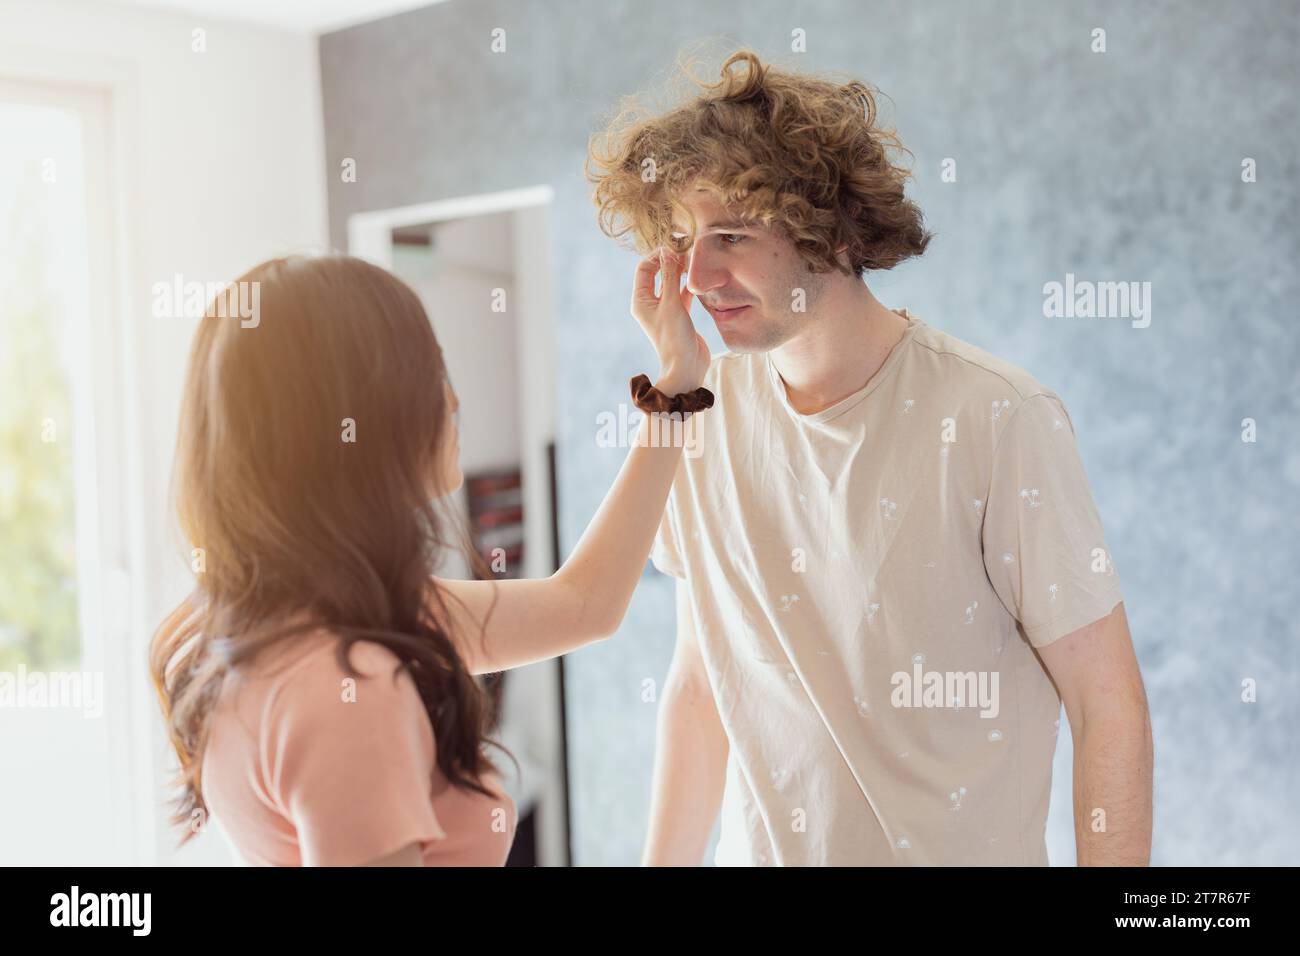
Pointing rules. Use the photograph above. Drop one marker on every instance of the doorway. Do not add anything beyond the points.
(482, 265)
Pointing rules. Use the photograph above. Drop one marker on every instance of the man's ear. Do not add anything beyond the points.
(840, 256)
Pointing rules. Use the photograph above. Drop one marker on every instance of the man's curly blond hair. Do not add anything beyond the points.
(799, 152)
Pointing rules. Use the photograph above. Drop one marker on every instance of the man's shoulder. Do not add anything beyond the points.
(969, 370)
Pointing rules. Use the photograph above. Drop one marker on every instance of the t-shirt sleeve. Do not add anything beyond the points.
(355, 766)
(665, 554)
(1042, 536)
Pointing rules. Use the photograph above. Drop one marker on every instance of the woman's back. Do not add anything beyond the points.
(304, 768)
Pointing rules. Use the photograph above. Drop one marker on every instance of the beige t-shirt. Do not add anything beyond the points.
(868, 584)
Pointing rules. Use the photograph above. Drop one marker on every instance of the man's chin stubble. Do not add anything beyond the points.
(766, 341)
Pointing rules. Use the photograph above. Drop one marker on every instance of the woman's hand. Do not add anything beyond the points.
(666, 320)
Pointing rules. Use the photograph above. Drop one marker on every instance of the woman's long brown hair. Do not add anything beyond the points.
(293, 527)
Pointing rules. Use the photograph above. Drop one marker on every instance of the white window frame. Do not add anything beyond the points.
(110, 530)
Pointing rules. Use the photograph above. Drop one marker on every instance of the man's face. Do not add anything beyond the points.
(747, 277)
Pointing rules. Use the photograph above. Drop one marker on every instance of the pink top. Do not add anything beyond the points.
(303, 769)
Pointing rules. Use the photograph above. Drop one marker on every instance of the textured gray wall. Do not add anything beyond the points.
(1116, 166)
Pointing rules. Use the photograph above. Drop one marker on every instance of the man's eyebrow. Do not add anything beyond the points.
(721, 224)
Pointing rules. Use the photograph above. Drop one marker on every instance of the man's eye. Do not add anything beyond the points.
(731, 235)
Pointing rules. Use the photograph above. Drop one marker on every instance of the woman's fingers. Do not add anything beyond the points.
(666, 317)
(643, 284)
(687, 298)
(646, 303)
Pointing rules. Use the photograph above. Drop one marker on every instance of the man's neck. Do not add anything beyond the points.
(845, 345)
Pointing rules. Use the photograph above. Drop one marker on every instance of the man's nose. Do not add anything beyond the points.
(704, 273)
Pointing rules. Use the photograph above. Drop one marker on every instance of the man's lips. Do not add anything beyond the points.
(726, 313)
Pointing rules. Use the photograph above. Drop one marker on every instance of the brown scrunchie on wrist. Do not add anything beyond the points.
(650, 400)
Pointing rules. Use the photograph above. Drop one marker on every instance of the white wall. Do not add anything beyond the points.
(480, 351)
(219, 165)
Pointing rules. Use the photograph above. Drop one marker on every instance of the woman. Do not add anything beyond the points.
(318, 684)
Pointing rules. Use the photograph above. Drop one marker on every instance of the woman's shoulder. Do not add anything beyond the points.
(302, 678)
(321, 650)
(318, 650)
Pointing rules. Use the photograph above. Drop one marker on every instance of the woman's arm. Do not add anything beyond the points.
(585, 600)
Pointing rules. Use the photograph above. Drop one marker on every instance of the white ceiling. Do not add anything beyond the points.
(303, 16)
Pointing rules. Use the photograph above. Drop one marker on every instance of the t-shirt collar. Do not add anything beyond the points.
(849, 401)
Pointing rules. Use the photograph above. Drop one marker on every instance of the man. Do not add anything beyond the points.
(891, 569)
